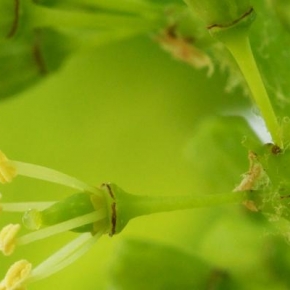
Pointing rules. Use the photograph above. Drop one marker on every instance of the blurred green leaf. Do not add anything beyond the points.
(147, 265)
(217, 155)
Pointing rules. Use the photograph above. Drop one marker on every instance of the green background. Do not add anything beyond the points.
(128, 113)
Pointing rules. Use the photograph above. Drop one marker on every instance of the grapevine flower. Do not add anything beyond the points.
(91, 212)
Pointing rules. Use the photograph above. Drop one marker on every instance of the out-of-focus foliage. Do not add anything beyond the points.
(173, 269)
(128, 113)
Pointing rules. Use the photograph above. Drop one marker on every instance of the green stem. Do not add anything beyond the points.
(139, 7)
(239, 46)
(45, 17)
(144, 205)
(90, 41)
(126, 206)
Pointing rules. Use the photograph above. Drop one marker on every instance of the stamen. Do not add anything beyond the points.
(47, 174)
(8, 238)
(16, 276)
(65, 256)
(7, 169)
(23, 206)
(62, 227)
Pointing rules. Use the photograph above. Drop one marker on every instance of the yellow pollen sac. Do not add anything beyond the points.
(16, 276)
(8, 239)
(7, 169)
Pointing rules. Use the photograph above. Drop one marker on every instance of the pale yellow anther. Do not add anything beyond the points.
(8, 239)
(7, 169)
(16, 276)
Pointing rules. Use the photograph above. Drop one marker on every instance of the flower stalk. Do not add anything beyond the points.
(237, 42)
(127, 206)
(229, 21)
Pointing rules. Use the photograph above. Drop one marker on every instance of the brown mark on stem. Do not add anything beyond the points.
(113, 209)
(276, 150)
(233, 22)
(37, 54)
(113, 219)
(15, 22)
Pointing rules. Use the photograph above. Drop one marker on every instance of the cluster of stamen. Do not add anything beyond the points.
(37, 215)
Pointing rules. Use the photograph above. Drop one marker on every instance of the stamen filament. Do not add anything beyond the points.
(23, 206)
(47, 174)
(65, 256)
(62, 227)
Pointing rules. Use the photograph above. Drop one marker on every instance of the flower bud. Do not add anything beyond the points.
(224, 13)
(10, 11)
(29, 58)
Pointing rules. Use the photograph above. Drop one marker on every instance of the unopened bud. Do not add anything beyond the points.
(10, 18)
(29, 58)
